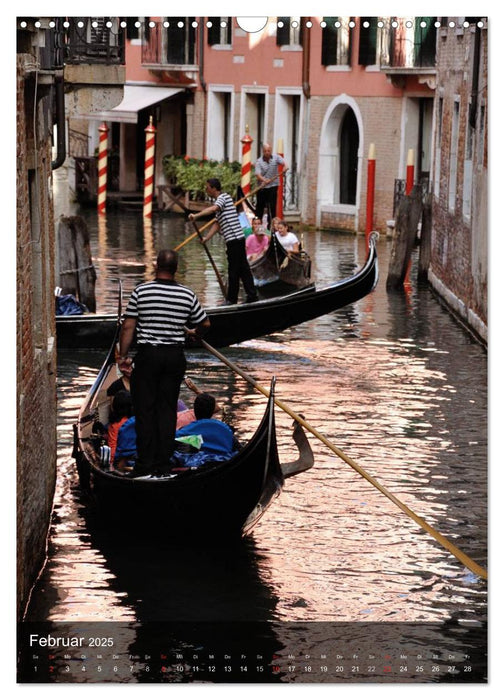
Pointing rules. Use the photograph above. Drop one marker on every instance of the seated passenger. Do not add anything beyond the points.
(288, 239)
(120, 384)
(125, 453)
(122, 409)
(218, 438)
(125, 440)
(258, 241)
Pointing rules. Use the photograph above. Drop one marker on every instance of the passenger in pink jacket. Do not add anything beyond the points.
(257, 242)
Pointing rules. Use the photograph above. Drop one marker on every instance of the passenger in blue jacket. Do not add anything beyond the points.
(218, 438)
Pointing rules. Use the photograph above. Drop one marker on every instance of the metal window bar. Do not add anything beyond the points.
(291, 191)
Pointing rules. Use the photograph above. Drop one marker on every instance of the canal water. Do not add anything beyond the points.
(335, 583)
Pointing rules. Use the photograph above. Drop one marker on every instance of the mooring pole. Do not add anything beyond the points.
(246, 162)
(410, 179)
(102, 167)
(370, 193)
(150, 140)
(410, 171)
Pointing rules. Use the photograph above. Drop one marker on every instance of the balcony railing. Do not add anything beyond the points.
(73, 40)
(95, 40)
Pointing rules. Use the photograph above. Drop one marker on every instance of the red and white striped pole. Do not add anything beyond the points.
(246, 167)
(410, 171)
(102, 168)
(150, 140)
(370, 192)
(279, 202)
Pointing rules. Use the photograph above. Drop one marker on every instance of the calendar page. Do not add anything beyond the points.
(267, 238)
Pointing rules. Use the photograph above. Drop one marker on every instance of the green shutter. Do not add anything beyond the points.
(282, 37)
(367, 41)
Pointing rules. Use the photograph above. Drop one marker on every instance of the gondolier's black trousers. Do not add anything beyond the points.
(266, 201)
(239, 269)
(155, 386)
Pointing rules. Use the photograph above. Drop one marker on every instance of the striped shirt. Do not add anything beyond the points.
(162, 308)
(227, 218)
(269, 169)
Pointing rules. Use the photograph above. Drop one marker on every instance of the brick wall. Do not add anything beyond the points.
(459, 239)
(35, 330)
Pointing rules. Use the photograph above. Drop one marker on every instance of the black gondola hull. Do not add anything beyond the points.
(224, 499)
(239, 322)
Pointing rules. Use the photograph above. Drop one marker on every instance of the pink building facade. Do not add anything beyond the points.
(321, 89)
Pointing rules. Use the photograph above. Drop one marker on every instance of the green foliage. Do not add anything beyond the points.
(191, 174)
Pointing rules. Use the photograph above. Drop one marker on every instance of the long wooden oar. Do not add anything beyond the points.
(212, 221)
(212, 262)
(467, 561)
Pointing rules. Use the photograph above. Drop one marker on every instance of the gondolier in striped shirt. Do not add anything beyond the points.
(158, 311)
(228, 224)
(266, 169)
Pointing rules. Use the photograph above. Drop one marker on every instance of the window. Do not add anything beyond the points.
(132, 30)
(468, 171)
(220, 31)
(288, 117)
(219, 137)
(439, 133)
(367, 41)
(481, 137)
(180, 40)
(425, 41)
(336, 41)
(288, 31)
(254, 115)
(452, 190)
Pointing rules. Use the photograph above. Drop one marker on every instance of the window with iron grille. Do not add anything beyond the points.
(336, 41)
(220, 31)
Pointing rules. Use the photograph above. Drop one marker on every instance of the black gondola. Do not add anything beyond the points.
(239, 322)
(219, 499)
(275, 269)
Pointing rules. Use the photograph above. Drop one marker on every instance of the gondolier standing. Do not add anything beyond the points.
(158, 311)
(228, 224)
(266, 168)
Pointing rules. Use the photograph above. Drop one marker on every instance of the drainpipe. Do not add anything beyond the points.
(305, 81)
(475, 78)
(202, 81)
(60, 121)
(306, 61)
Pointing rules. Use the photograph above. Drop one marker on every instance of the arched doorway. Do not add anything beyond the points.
(340, 159)
(349, 147)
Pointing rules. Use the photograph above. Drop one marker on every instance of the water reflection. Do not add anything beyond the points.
(391, 380)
